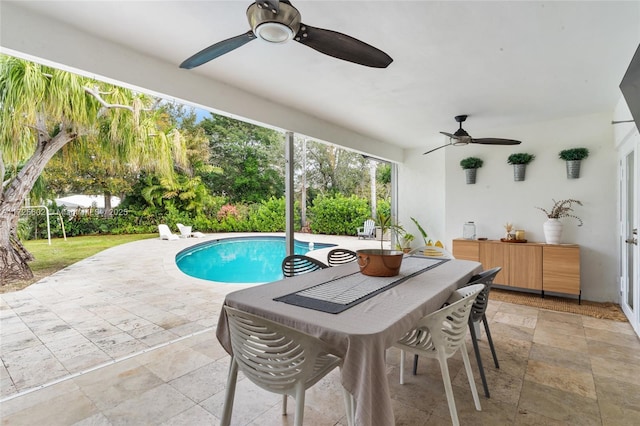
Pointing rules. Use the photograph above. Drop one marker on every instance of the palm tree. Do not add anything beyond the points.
(44, 110)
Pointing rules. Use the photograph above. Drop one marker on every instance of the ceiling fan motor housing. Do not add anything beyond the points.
(274, 27)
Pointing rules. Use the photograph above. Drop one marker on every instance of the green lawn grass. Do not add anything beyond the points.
(61, 253)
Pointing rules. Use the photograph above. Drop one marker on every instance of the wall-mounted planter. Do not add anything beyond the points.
(519, 171)
(520, 161)
(470, 165)
(573, 169)
(470, 175)
(573, 158)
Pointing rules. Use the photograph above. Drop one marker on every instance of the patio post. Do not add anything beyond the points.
(288, 190)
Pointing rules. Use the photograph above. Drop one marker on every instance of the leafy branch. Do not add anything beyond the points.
(562, 208)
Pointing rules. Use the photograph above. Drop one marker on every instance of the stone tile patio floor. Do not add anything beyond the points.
(124, 338)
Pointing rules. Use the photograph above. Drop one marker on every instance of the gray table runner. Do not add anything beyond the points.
(345, 292)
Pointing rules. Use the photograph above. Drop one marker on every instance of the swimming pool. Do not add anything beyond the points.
(240, 259)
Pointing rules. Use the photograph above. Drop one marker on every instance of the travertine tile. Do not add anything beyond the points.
(195, 415)
(32, 366)
(567, 407)
(616, 415)
(521, 320)
(6, 387)
(558, 357)
(65, 400)
(172, 361)
(501, 330)
(160, 404)
(97, 419)
(614, 369)
(119, 345)
(614, 338)
(558, 327)
(17, 341)
(518, 309)
(524, 417)
(562, 341)
(598, 348)
(610, 325)
(249, 404)
(565, 379)
(565, 317)
(203, 382)
(618, 392)
(62, 410)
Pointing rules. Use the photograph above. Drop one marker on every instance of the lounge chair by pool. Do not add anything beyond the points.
(165, 233)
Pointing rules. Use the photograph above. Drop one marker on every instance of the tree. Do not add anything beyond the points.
(251, 157)
(91, 171)
(332, 170)
(44, 109)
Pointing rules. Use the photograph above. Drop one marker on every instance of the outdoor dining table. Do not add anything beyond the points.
(362, 333)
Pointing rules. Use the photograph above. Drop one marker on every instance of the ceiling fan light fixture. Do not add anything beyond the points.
(274, 32)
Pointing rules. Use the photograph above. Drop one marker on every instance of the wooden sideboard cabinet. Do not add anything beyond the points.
(532, 266)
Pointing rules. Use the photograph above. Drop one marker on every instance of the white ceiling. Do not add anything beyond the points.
(503, 63)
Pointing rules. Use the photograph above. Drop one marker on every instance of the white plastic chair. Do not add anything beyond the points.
(165, 233)
(432, 251)
(368, 230)
(440, 335)
(278, 359)
(185, 231)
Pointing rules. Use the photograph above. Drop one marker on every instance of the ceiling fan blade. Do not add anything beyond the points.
(435, 149)
(451, 135)
(495, 141)
(218, 49)
(342, 46)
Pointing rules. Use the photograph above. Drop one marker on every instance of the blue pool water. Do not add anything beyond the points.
(239, 259)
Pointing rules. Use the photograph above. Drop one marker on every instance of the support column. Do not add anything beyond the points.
(289, 192)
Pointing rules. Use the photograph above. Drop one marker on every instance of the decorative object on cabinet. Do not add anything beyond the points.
(470, 165)
(532, 266)
(573, 158)
(469, 231)
(520, 161)
(509, 227)
(553, 227)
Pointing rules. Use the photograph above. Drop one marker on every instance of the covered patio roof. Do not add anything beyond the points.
(503, 63)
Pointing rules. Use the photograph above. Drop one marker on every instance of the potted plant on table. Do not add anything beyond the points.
(406, 240)
(470, 165)
(381, 262)
(520, 161)
(553, 227)
(573, 158)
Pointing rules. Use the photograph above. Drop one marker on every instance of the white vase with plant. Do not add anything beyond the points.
(553, 227)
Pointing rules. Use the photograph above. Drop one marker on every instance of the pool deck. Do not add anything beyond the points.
(125, 301)
(124, 338)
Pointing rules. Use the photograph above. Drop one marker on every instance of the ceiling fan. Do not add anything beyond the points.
(278, 22)
(461, 137)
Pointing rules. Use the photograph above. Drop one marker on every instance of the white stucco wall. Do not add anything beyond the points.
(496, 198)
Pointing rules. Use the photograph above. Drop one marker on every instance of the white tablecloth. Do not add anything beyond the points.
(361, 334)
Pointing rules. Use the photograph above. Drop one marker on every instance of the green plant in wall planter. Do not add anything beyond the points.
(470, 165)
(520, 161)
(573, 158)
